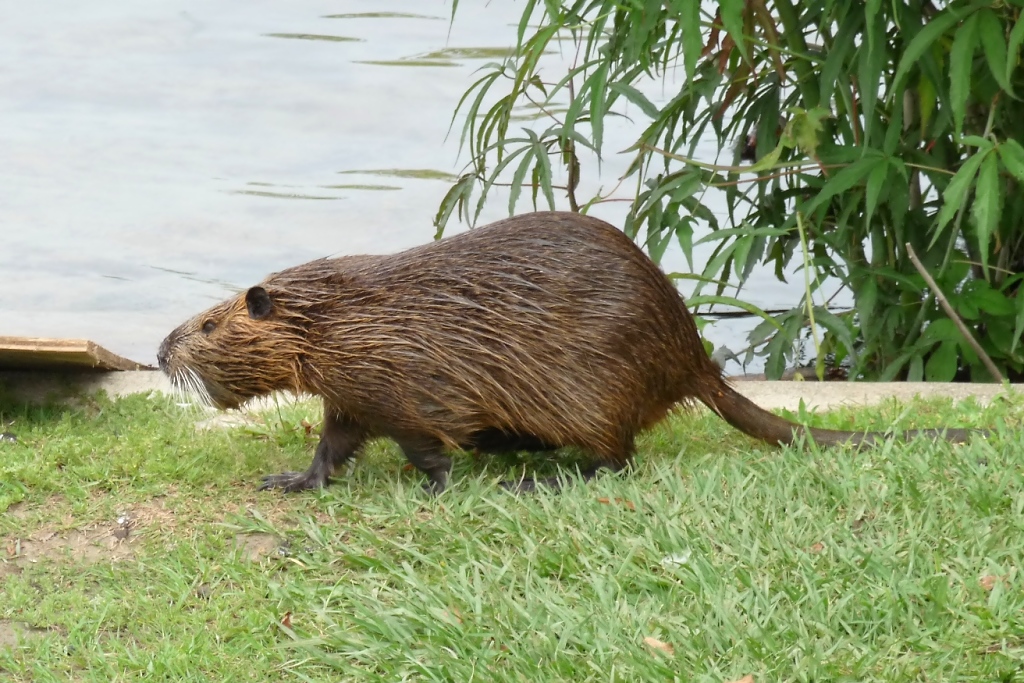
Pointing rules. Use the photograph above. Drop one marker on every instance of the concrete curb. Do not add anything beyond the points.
(36, 387)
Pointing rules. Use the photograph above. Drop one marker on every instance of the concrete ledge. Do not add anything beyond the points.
(37, 387)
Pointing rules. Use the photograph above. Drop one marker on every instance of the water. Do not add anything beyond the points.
(159, 156)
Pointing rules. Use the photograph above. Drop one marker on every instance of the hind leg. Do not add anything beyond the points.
(613, 461)
(427, 454)
(500, 442)
(338, 443)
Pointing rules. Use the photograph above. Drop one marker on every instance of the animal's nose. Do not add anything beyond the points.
(163, 353)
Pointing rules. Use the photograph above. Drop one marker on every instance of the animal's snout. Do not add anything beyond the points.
(163, 354)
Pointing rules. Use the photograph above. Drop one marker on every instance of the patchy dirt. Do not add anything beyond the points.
(17, 511)
(255, 547)
(111, 540)
(14, 632)
(91, 544)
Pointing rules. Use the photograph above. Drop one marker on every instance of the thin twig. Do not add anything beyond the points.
(989, 365)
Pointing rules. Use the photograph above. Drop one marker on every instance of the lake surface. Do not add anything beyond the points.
(159, 156)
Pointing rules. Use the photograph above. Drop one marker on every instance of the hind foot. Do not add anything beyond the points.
(531, 484)
(290, 482)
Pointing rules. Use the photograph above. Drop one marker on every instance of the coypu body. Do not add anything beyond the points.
(536, 332)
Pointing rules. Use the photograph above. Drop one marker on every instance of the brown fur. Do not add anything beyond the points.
(543, 330)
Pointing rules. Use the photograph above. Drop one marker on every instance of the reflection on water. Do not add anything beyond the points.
(153, 152)
(375, 188)
(453, 56)
(380, 15)
(281, 195)
(421, 173)
(311, 36)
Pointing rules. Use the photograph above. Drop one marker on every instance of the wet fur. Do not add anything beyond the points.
(539, 331)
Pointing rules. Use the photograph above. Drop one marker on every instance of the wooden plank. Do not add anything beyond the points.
(38, 353)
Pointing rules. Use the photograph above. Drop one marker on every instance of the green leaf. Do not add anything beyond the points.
(955, 193)
(658, 238)
(457, 195)
(804, 128)
(941, 330)
(961, 58)
(542, 171)
(927, 100)
(1018, 329)
(1012, 156)
(732, 19)
(929, 33)
(636, 97)
(695, 301)
(1014, 47)
(942, 363)
(992, 301)
(987, 205)
(684, 235)
(873, 55)
(915, 373)
(876, 181)
(597, 85)
(836, 56)
(977, 141)
(693, 36)
(993, 43)
(837, 327)
(841, 182)
(520, 175)
(866, 298)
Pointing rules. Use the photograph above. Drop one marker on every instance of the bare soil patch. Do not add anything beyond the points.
(255, 547)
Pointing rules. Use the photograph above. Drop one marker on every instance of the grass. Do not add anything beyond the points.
(716, 558)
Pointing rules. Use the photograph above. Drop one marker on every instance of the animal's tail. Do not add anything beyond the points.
(751, 419)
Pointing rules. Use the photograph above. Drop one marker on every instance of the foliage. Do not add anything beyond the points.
(873, 125)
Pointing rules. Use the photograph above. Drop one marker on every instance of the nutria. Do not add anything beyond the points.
(539, 331)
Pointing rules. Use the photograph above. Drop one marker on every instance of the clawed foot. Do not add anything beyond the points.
(290, 482)
(529, 485)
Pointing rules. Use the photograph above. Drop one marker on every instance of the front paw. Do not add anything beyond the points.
(290, 482)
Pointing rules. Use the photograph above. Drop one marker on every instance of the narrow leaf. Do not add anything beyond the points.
(843, 181)
(636, 97)
(1012, 156)
(929, 33)
(872, 57)
(876, 181)
(836, 55)
(459, 193)
(988, 201)
(732, 18)
(961, 58)
(993, 42)
(597, 85)
(956, 192)
(1014, 47)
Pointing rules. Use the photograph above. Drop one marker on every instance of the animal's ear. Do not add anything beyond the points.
(258, 303)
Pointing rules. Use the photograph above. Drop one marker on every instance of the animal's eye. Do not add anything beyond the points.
(209, 326)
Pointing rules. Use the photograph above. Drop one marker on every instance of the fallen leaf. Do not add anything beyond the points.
(988, 582)
(677, 560)
(618, 501)
(817, 548)
(286, 620)
(746, 679)
(656, 644)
